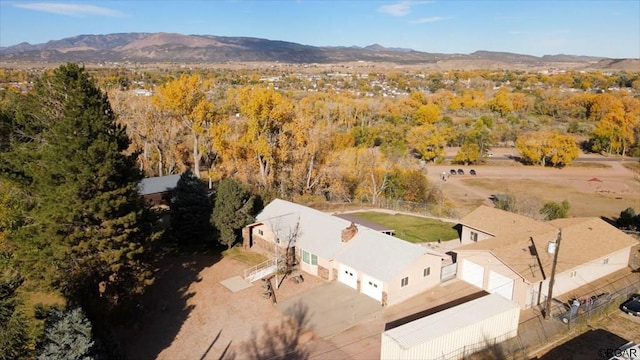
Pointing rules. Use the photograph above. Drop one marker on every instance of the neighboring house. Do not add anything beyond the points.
(513, 255)
(157, 190)
(452, 331)
(381, 266)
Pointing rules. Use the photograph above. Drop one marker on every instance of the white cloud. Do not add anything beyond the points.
(71, 9)
(401, 8)
(428, 20)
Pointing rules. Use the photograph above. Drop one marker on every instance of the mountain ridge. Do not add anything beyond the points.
(173, 47)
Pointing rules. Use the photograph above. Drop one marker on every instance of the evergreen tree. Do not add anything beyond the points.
(191, 211)
(89, 229)
(67, 336)
(234, 209)
(13, 335)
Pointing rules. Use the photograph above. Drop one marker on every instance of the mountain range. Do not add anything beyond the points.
(170, 47)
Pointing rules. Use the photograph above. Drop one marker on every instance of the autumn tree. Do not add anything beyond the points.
(267, 112)
(545, 148)
(185, 100)
(469, 153)
(429, 141)
(615, 133)
(234, 209)
(408, 185)
(501, 102)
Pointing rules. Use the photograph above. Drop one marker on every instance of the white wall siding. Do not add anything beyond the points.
(466, 332)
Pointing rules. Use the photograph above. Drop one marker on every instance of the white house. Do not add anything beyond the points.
(379, 265)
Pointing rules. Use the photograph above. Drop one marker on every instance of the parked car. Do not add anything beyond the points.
(632, 306)
(460, 172)
(472, 172)
(452, 171)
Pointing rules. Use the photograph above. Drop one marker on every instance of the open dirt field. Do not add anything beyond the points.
(594, 186)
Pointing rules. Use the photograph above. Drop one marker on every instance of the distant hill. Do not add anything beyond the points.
(167, 47)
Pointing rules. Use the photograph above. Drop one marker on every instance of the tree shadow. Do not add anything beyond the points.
(163, 307)
(589, 345)
(285, 340)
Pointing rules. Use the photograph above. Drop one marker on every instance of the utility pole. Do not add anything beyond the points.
(547, 311)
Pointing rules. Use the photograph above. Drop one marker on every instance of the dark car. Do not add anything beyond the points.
(460, 172)
(472, 172)
(452, 171)
(632, 306)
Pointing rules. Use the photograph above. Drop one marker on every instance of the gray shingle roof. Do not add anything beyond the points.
(158, 184)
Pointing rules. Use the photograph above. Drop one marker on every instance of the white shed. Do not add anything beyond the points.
(455, 331)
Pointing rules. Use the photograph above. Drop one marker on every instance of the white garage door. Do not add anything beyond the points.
(371, 287)
(472, 273)
(500, 284)
(348, 276)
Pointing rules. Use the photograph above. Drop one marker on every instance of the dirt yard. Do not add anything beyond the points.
(189, 314)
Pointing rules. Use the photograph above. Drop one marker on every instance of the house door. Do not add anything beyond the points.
(348, 276)
(371, 287)
(472, 273)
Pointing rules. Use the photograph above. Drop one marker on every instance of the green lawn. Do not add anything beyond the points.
(412, 228)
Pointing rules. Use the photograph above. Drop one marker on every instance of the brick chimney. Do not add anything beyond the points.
(349, 232)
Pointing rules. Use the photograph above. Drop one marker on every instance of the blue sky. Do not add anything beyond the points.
(537, 27)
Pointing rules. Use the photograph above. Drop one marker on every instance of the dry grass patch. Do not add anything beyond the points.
(582, 203)
(245, 256)
(590, 165)
(633, 166)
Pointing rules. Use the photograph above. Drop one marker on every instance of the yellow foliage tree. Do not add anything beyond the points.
(548, 148)
(429, 141)
(267, 114)
(427, 114)
(185, 100)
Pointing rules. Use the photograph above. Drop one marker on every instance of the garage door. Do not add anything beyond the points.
(472, 273)
(500, 284)
(371, 287)
(348, 276)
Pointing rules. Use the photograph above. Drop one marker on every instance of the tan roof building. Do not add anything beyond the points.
(515, 260)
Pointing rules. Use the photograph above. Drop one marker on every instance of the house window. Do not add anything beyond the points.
(260, 232)
(309, 258)
(426, 272)
(573, 274)
(373, 284)
(605, 261)
(474, 236)
(404, 282)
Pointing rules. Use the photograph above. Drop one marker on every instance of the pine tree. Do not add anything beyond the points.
(88, 231)
(67, 336)
(13, 336)
(191, 211)
(234, 209)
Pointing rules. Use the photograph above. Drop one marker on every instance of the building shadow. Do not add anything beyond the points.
(163, 307)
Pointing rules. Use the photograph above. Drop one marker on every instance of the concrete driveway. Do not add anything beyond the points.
(333, 307)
